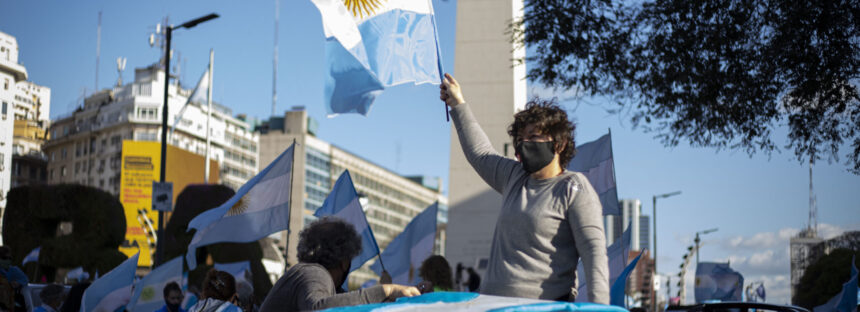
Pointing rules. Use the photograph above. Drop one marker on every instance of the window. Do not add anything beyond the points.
(6, 84)
(5, 108)
(147, 113)
(63, 154)
(63, 171)
(115, 140)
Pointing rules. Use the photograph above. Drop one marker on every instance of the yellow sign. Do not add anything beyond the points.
(141, 162)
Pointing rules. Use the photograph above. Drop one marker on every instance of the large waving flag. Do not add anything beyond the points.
(33, 256)
(845, 301)
(717, 281)
(149, 292)
(111, 291)
(241, 270)
(617, 254)
(619, 286)
(343, 203)
(594, 159)
(198, 95)
(373, 44)
(260, 207)
(404, 254)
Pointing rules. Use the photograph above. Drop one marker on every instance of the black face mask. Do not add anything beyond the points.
(535, 155)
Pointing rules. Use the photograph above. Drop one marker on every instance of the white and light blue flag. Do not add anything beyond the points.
(406, 252)
(372, 45)
(717, 281)
(846, 300)
(79, 274)
(241, 270)
(149, 291)
(617, 253)
(198, 95)
(594, 159)
(111, 291)
(33, 256)
(260, 207)
(619, 286)
(343, 203)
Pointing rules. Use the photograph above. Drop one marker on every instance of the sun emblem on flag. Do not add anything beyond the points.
(239, 207)
(362, 8)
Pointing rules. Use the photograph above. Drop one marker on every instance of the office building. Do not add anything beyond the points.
(11, 73)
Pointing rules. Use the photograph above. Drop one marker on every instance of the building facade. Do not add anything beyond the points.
(85, 147)
(390, 200)
(29, 164)
(807, 248)
(11, 73)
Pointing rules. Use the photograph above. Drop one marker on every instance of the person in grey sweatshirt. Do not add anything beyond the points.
(326, 248)
(550, 217)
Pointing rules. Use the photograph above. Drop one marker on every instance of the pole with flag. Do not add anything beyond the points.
(410, 248)
(343, 202)
(373, 45)
(260, 207)
(197, 96)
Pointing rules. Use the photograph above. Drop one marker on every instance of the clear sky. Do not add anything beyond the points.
(756, 202)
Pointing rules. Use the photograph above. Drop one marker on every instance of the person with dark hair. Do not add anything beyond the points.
(435, 269)
(172, 298)
(473, 283)
(550, 217)
(326, 248)
(219, 293)
(52, 297)
(73, 299)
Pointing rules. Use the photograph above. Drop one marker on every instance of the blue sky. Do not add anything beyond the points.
(756, 202)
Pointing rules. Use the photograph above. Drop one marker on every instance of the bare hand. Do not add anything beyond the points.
(394, 291)
(450, 92)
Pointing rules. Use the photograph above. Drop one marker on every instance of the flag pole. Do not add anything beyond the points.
(209, 115)
(287, 240)
(438, 63)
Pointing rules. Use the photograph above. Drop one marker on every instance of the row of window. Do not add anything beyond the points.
(240, 158)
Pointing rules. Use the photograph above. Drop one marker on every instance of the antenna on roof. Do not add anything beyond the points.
(98, 49)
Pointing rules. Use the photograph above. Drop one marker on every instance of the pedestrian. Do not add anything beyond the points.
(325, 251)
(172, 298)
(12, 281)
(458, 280)
(550, 217)
(435, 269)
(73, 299)
(219, 293)
(52, 298)
(473, 283)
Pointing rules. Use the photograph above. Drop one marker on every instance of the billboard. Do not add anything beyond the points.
(141, 165)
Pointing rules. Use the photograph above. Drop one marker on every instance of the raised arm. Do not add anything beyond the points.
(585, 216)
(494, 168)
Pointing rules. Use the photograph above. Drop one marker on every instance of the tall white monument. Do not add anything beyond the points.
(495, 88)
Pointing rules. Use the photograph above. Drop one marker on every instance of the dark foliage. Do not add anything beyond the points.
(34, 213)
(823, 279)
(720, 74)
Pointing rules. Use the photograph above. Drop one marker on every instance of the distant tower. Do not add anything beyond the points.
(801, 245)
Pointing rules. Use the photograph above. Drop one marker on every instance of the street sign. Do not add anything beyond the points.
(162, 196)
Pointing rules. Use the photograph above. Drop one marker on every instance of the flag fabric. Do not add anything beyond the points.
(33, 256)
(343, 203)
(617, 253)
(617, 290)
(198, 95)
(846, 300)
(594, 159)
(260, 207)
(240, 270)
(717, 281)
(149, 292)
(760, 292)
(78, 274)
(404, 254)
(372, 45)
(111, 291)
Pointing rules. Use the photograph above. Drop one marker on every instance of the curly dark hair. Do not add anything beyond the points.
(550, 119)
(436, 270)
(219, 285)
(328, 242)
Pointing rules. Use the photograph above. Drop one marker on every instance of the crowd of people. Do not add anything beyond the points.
(550, 220)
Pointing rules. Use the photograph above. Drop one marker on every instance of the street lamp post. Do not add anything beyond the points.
(654, 206)
(159, 251)
(698, 250)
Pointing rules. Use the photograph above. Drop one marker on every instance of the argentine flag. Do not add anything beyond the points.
(406, 252)
(717, 281)
(149, 291)
(594, 159)
(111, 291)
(260, 207)
(375, 44)
(343, 203)
(617, 254)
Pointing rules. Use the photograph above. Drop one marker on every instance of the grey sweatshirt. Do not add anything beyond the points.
(308, 286)
(544, 226)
